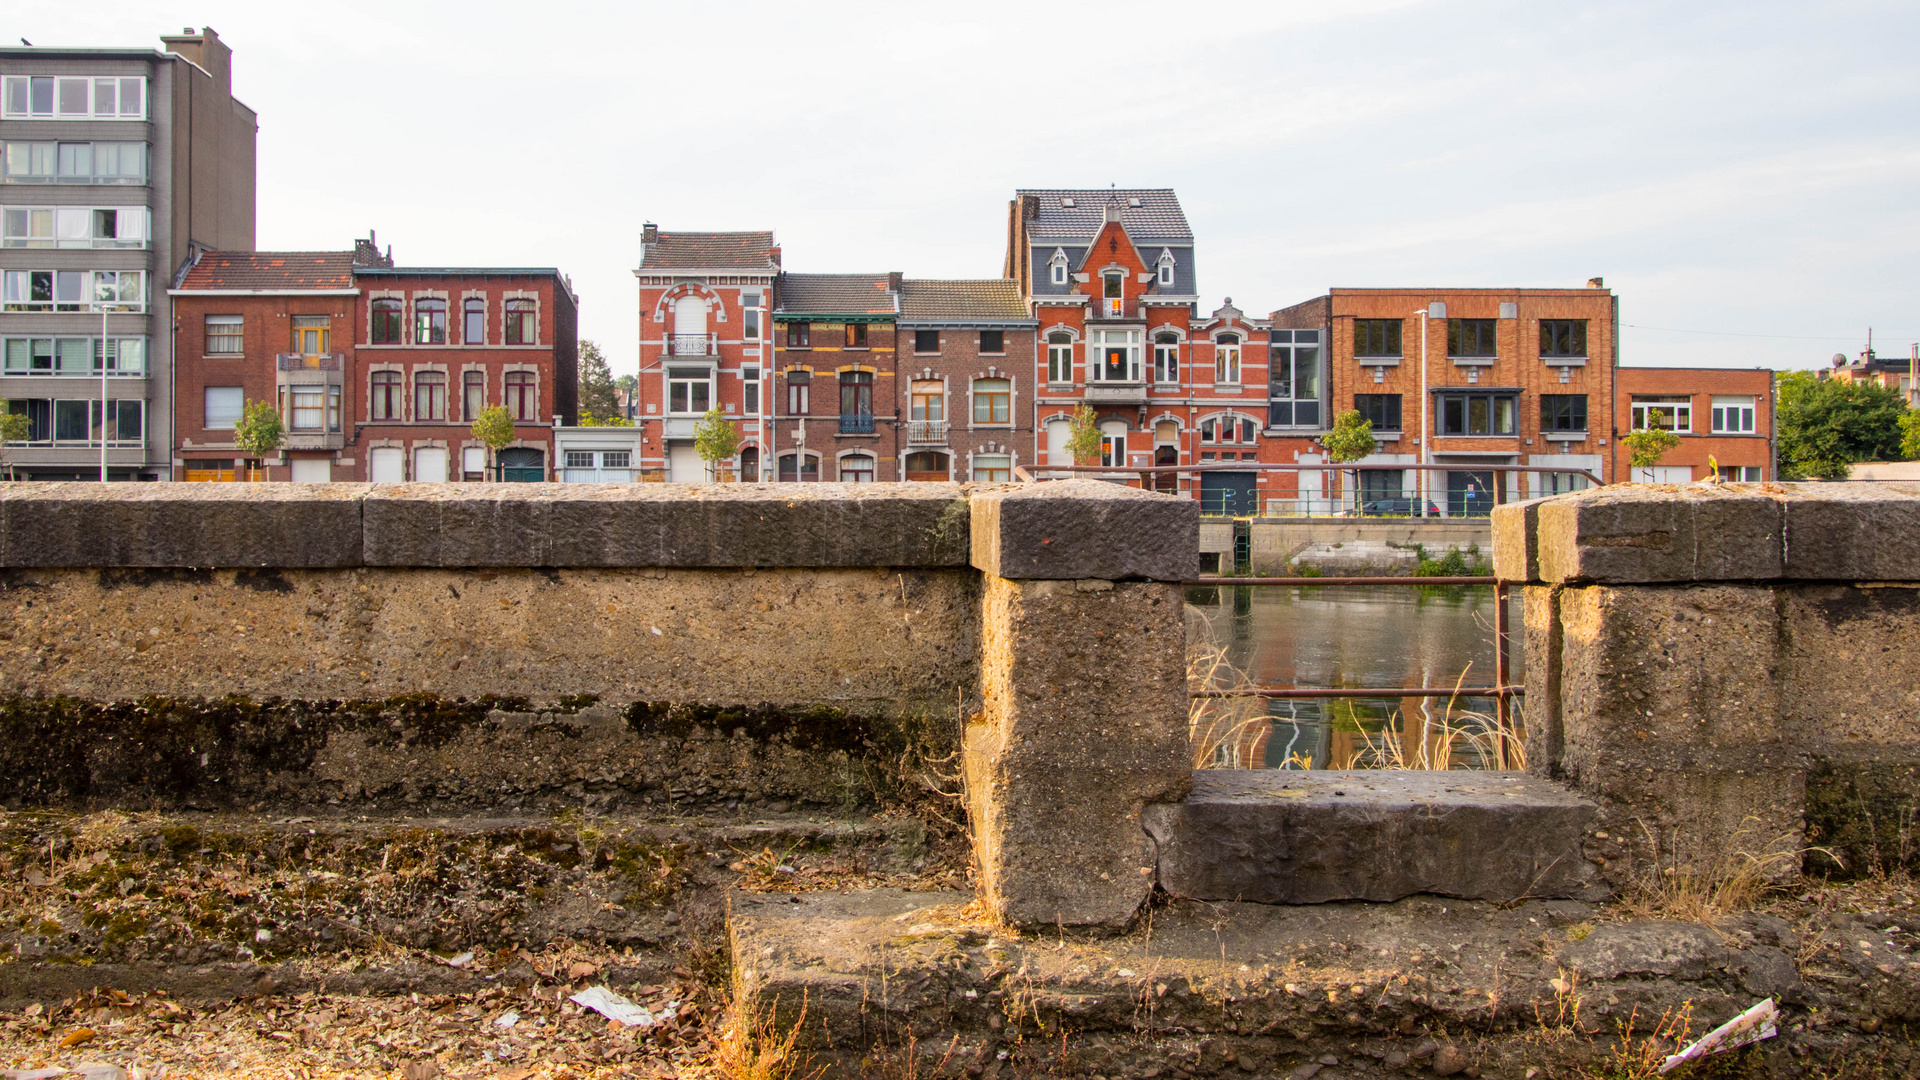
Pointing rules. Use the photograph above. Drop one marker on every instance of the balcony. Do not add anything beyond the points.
(694, 344)
(926, 433)
(319, 362)
(1116, 393)
(1114, 307)
(314, 440)
(856, 423)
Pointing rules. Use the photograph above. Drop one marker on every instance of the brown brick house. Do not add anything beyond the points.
(966, 379)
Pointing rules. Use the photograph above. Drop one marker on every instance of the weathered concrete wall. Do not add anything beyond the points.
(1272, 543)
(1700, 656)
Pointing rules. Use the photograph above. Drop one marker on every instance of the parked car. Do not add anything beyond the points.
(1393, 508)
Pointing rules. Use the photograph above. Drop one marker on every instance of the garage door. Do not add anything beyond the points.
(1227, 494)
(684, 465)
(387, 465)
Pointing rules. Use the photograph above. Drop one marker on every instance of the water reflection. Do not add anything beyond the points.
(1350, 637)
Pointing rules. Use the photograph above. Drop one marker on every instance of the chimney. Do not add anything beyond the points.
(773, 256)
(649, 233)
(1113, 212)
(895, 282)
(366, 255)
(1030, 207)
(206, 50)
(1596, 283)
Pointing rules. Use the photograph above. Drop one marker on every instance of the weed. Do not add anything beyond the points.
(1640, 1059)
(752, 1046)
(1722, 881)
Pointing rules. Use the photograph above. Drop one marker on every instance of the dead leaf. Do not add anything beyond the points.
(421, 1070)
(76, 1037)
(581, 970)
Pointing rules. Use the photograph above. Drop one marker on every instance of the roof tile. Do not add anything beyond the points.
(836, 294)
(1158, 218)
(271, 270)
(710, 250)
(978, 300)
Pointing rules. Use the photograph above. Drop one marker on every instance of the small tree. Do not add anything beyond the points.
(1649, 444)
(1083, 437)
(596, 386)
(258, 432)
(14, 427)
(714, 439)
(1910, 435)
(1350, 440)
(495, 428)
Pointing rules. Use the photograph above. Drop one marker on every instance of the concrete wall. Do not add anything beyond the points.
(1273, 543)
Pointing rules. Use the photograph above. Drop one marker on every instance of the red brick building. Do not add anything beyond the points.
(837, 394)
(966, 360)
(1724, 418)
(378, 372)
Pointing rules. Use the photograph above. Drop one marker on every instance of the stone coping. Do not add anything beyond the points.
(1666, 533)
(1064, 529)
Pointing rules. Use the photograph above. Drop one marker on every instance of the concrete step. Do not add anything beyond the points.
(1307, 837)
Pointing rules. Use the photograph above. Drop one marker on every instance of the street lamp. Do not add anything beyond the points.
(104, 308)
(1426, 404)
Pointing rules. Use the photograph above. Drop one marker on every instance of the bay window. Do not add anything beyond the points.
(1118, 353)
(1293, 379)
(1478, 414)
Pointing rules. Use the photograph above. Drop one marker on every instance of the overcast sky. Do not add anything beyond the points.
(1742, 174)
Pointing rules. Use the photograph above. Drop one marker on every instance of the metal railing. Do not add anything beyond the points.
(1354, 501)
(694, 344)
(856, 423)
(926, 433)
(303, 362)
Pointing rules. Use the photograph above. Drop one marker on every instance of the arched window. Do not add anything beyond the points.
(384, 401)
(473, 321)
(1166, 268)
(474, 395)
(1166, 358)
(386, 321)
(520, 396)
(1058, 265)
(429, 322)
(1059, 357)
(927, 465)
(522, 326)
(856, 469)
(1226, 359)
(749, 464)
(429, 395)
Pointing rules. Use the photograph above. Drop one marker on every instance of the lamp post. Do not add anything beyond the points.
(1426, 404)
(104, 308)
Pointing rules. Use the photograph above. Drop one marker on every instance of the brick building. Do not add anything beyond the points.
(836, 396)
(967, 361)
(1893, 372)
(704, 336)
(378, 372)
(1724, 418)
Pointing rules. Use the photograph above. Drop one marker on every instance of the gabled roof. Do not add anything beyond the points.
(1157, 220)
(709, 250)
(271, 270)
(984, 300)
(836, 294)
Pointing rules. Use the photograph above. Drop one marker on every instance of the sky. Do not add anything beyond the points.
(1742, 175)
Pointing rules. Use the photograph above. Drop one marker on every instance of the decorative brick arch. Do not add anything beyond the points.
(688, 288)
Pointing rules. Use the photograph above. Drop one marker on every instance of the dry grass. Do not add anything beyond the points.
(751, 1045)
(1218, 727)
(1726, 880)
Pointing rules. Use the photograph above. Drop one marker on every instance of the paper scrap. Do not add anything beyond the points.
(506, 1019)
(614, 1007)
(1759, 1022)
(459, 961)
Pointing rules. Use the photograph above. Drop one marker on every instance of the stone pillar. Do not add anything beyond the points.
(1083, 682)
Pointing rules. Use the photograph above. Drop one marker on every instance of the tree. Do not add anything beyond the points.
(495, 428)
(1350, 440)
(1910, 435)
(1826, 425)
(628, 382)
(1648, 445)
(14, 427)
(596, 386)
(1083, 437)
(258, 432)
(714, 439)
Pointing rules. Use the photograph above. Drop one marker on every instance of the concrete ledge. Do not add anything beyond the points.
(180, 525)
(1286, 837)
(1516, 552)
(1076, 529)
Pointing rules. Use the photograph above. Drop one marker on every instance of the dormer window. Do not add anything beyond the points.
(1059, 264)
(1166, 267)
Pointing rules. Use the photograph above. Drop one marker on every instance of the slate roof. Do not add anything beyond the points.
(836, 294)
(1157, 220)
(271, 270)
(988, 299)
(709, 250)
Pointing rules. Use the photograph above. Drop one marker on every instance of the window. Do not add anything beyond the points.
(226, 335)
(1166, 358)
(1478, 414)
(1226, 360)
(750, 389)
(1119, 353)
(802, 467)
(73, 163)
(125, 421)
(473, 394)
(1113, 294)
(123, 289)
(1471, 337)
(1376, 337)
(1293, 378)
(384, 399)
(928, 402)
(75, 97)
(1113, 443)
(1749, 474)
(1563, 337)
(1381, 410)
(223, 407)
(856, 402)
(1165, 272)
(749, 331)
(1663, 413)
(39, 414)
(73, 227)
(1563, 412)
(523, 327)
(473, 321)
(993, 468)
(1057, 268)
(689, 390)
(798, 382)
(46, 290)
(1733, 416)
(992, 401)
(520, 396)
(926, 341)
(856, 335)
(310, 334)
(749, 463)
(430, 395)
(386, 321)
(856, 469)
(1059, 358)
(799, 335)
(71, 421)
(993, 341)
(429, 322)
(74, 356)
(308, 411)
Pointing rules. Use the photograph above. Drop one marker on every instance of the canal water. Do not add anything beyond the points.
(1351, 637)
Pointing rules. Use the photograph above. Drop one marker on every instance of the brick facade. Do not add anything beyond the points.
(1727, 422)
(966, 360)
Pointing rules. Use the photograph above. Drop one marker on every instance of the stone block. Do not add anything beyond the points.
(1843, 673)
(1084, 723)
(1073, 529)
(1852, 532)
(1306, 837)
(79, 524)
(1516, 556)
(1638, 534)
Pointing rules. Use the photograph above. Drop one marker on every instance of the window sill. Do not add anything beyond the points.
(1509, 435)
(1564, 361)
(1377, 361)
(1473, 361)
(1566, 436)
(996, 354)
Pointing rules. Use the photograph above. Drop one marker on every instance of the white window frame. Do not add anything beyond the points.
(1680, 410)
(671, 379)
(17, 289)
(1097, 360)
(1164, 272)
(16, 97)
(752, 315)
(1057, 267)
(39, 162)
(1166, 358)
(206, 408)
(73, 345)
(750, 390)
(47, 227)
(1060, 359)
(1226, 360)
(1740, 408)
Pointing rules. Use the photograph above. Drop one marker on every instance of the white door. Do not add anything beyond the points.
(1057, 432)
(312, 470)
(684, 464)
(387, 465)
(430, 464)
(474, 461)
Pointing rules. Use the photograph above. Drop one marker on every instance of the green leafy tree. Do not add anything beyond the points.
(596, 387)
(1083, 437)
(1350, 440)
(14, 427)
(1825, 425)
(259, 431)
(1649, 444)
(611, 421)
(714, 439)
(1910, 435)
(628, 382)
(495, 428)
